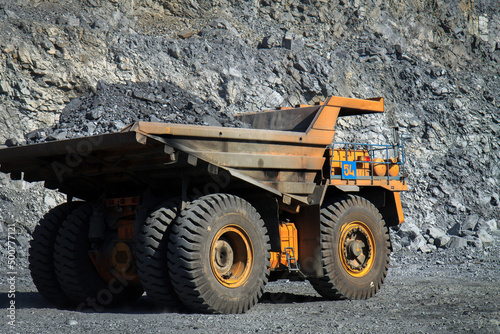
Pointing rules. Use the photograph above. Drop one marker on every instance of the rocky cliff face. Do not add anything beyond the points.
(436, 64)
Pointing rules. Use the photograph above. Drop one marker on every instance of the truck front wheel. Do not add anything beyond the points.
(355, 249)
(218, 255)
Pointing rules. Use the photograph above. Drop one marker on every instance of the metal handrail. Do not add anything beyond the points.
(384, 151)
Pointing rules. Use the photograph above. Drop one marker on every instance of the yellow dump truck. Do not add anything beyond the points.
(205, 216)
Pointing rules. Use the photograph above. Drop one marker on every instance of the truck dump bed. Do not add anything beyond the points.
(284, 153)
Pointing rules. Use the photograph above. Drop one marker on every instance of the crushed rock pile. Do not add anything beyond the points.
(112, 107)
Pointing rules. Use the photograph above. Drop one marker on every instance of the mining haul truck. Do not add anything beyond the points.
(203, 217)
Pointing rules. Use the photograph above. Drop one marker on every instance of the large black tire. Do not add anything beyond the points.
(152, 246)
(218, 255)
(41, 254)
(355, 249)
(76, 273)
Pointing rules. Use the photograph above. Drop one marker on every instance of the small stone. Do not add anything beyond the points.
(211, 121)
(485, 238)
(426, 248)
(11, 142)
(60, 135)
(46, 44)
(438, 73)
(287, 40)
(73, 105)
(4, 87)
(22, 241)
(467, 233)
(474, 242)
(471, 222)
(90, 127)
(495, 199)
(415, 123)
(24, 57)
(123, 62)
(170, 117)
(11, 14)
(100, 24)
(398, 50)
(66, 86)
(435, 233)
(372, 59)
(457, 242)
(174, 51)
(36, 134)
(409, 230)
(9, 49)
(419, 243)
(442, 241)
(186, 33)
(153, 118)
(117, 124)
(489, 226)
(25, 91)
(299, 64)
(72, 322)
(269, 42)
(95, 113)
(49, 201)
(455, 230)
(73, 21)
(199, 110)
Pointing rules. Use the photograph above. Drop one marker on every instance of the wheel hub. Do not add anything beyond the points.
(224, 257)
(357, 248)
(231, 256)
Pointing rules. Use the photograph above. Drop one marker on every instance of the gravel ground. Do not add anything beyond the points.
(454, 291)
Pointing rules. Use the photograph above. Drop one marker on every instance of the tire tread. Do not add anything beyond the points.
(331, 286)
(185, 263)
(41, 254)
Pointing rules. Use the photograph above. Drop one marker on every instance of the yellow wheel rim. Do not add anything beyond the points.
(357, 248)
(231, 256)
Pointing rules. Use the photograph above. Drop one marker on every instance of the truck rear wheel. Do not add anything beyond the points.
(76, 273)
(152, 245)
(218, 255)
(355, 249)
(41, 254)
